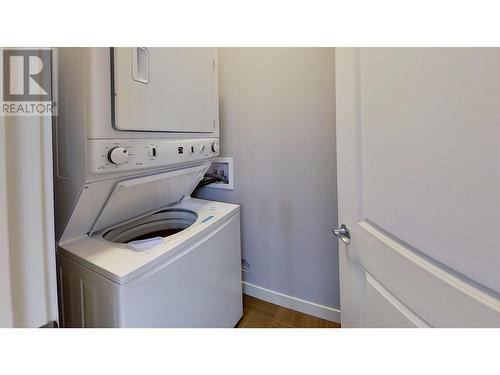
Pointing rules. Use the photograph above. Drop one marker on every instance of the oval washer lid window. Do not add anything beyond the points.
(136, 197)
(161, 224)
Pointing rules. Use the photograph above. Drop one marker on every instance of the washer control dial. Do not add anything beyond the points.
(202, 149)
(118, 155)
(215, 147)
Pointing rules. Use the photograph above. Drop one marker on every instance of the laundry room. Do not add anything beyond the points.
(238, 207)
(248, 188)
(250, 180)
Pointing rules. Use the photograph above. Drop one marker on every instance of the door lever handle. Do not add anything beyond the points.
(343, 233)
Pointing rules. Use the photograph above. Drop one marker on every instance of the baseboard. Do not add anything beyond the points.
(293, 303)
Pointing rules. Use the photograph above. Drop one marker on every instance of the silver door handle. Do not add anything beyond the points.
(343, 233)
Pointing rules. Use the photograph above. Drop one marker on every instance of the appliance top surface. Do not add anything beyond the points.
(120, 264)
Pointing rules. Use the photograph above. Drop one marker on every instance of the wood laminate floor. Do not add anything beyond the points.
(261, 314)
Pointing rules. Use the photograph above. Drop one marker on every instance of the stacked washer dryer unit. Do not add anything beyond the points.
(137, 130)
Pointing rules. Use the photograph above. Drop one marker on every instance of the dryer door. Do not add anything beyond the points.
(165, 89)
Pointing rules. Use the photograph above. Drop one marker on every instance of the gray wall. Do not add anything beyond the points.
(278, 123)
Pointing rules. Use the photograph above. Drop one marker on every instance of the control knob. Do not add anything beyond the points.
(202, 149)
(215, 147)
(118, 155)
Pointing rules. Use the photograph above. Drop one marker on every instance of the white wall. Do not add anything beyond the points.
(277, 110)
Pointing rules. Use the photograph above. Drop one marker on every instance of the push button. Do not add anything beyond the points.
(153, 151)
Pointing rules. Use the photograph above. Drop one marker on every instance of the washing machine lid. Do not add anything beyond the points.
(131, 199)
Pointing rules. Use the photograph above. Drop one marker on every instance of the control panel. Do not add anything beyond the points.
(107, 156)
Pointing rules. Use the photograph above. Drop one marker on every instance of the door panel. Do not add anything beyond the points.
(165, 89)
(432, 294)
(388, 311)
(416, 161)
(430, 155)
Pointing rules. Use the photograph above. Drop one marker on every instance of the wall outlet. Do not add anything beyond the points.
(222, 167)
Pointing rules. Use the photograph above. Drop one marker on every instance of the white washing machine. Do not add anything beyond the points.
(137, 130)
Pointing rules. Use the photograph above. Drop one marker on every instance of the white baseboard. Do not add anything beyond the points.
(293, 303)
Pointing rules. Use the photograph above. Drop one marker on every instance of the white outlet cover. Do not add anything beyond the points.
(219, 185)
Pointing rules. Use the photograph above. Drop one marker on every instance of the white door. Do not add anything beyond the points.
(418, 135)
(28, 291)
(165, 89)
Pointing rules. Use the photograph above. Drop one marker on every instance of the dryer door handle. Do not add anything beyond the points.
(140, 65)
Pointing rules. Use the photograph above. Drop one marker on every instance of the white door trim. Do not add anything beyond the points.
(5, 287)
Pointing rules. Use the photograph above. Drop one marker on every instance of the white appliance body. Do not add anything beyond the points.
(175, 90)
(190, 279)
(137, 130)
(178, 101)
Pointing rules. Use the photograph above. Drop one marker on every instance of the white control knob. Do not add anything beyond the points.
(215, 147)
(202, 149)
(118, 155)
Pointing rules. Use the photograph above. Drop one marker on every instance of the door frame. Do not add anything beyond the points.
(348, 160)
(6, 317)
